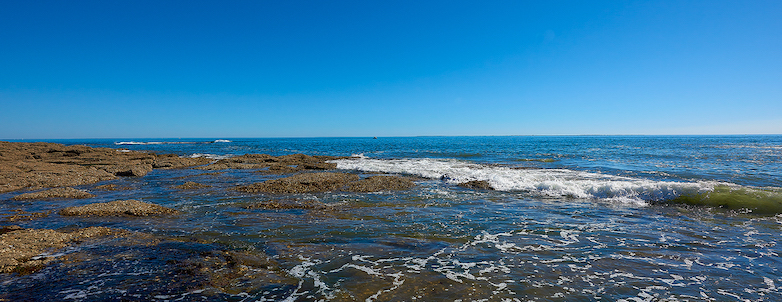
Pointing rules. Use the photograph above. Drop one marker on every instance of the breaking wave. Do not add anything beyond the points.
(139, 143)
(155, 143)
(170, 143)
(209, 155)
(564, 183)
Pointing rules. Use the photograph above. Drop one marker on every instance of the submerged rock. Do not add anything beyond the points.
(286, 204)
(170, 265)
(329, 181)
(20, 248)
(144, 267)
(111, 187)
(302, 183)
(66, 192)
(191, 186)
(476, 185)
(118, 208)
(21, 215)
(380, 183)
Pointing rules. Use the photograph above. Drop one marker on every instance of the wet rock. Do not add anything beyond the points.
(319, 166)
(380, 183)
(476, 185)
(525, 168)
(111, 187)
(36, 175)
(286, 204)
(274, 164)
(282, 169)
(129, 170)
(20, 249)
(200, 174)
(233, 272)
(21, 215)
(43, 165)
(191, 186)
(9, 228)
(66, 192)
(118, 208)
(302, 183)
(247, 161)
(172, 161)
(192, 270)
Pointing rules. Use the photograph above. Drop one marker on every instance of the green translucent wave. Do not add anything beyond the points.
(765, 201)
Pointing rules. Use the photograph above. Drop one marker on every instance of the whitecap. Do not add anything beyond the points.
(138, 143)
(209, 155)
(555, 183)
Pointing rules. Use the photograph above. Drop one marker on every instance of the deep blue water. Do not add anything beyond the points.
(743, 160)
(573, 218)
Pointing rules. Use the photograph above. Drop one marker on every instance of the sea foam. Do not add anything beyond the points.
(139, 143)
(539, 182)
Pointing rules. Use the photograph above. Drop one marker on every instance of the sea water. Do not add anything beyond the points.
(572, 218)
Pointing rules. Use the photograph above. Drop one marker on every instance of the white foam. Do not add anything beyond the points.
(221, 141)
(153, 143)
(541, 182)
(208, 155)
(138, 143)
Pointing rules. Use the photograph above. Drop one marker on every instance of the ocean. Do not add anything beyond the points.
(571, 218)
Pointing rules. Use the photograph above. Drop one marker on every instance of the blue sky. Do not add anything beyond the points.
(134, 69)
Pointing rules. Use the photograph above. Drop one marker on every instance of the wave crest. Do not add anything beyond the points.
(563, 183)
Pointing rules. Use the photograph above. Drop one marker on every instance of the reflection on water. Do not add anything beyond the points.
(436, 242)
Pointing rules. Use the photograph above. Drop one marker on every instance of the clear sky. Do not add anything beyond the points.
(157, 69)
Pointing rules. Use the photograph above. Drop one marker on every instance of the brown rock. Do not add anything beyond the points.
(110, 187)
(302, 183)
(118, 208)
(380, 183)
(286, 204)
(319, 166)
(476, 185)
(20, 249)
(36, 175)
(172, 161)
(129, 170)
(282, 169)
(67, 192)
(9, 228)
(276, 165)
(42, 165)
(247, 161)
(191, 186)
(21, 215)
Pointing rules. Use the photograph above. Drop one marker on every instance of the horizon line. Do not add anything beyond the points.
(400, 136)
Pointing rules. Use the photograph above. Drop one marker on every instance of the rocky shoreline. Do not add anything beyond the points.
(48, 165)
(49, 171)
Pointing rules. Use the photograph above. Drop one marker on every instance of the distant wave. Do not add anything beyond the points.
(208, 155)
(139, 143)
(167, 143)
(563, 183)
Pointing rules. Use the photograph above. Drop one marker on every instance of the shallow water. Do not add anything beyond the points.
(574, 218)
